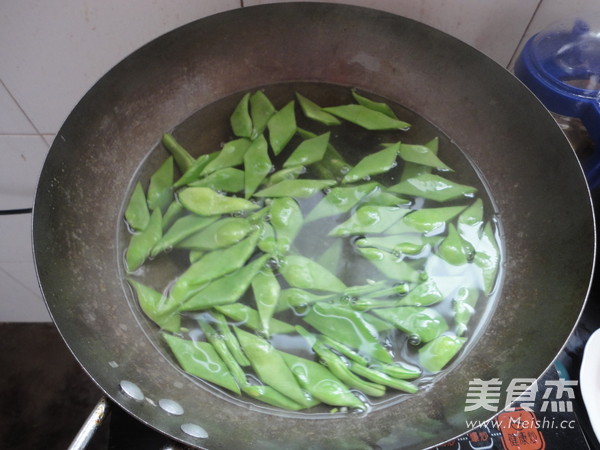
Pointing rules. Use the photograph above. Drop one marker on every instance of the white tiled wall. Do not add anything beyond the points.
(52, 52)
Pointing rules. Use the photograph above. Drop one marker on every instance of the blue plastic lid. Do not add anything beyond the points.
(561, 66)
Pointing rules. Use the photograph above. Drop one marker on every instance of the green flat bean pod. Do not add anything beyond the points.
(342, 349)
(338, 367)
(240, 120)
(366, 117)
(470, 222)
(340, 200)
(266, 289)
(257, 165)
(371, 288)
(206, 202)
(430, 219)
(211, 266)
(219, 233)
(320, 383)
(382, 378)
(154, 305)
(463, 306)
(487, 258)
(249, 317)
(435, 355)
(432, 187)
(142, 243)
(425, 323)
(226, 289)
(406, 243)
(267, 394)
(267, 241)
(347, 326)
(295, 188)
(413, 170)
(421, 154)
(181, 229)
(193, 173)
(218, 343)
(390, 265)
(333, 165)
(173, 212)
(424, 294)
(315, 112)
(287, 220)
(370, 219)
(308, 152)
(137, 213)
(304, 273)
(381, 107)
(454, 249)
(261, 110)
(200, 359)
(270, 367)
(294, 297)
(160, 190)
(373, 164)
(231, 341)
(282, 127)
(231, 155)
(379, 197)
(195, 255)
(182, 157)
(229, 179)
(398, 370)
(291, 173)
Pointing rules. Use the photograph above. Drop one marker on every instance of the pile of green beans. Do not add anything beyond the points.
(430, 252)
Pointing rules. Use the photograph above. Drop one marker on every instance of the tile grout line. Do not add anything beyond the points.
(37, 131)
(516, 52)
(38, 294)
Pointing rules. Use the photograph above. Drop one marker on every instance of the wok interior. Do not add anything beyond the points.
(525, 161)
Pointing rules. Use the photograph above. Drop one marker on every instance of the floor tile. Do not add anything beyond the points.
(22, 160)
(53, 52)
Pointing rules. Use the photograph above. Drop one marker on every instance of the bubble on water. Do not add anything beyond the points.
(401, 288)
(301, 310)
(387, 343)
(414, 340)
(273, 263)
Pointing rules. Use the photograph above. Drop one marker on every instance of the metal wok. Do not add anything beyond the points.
(530, 170)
